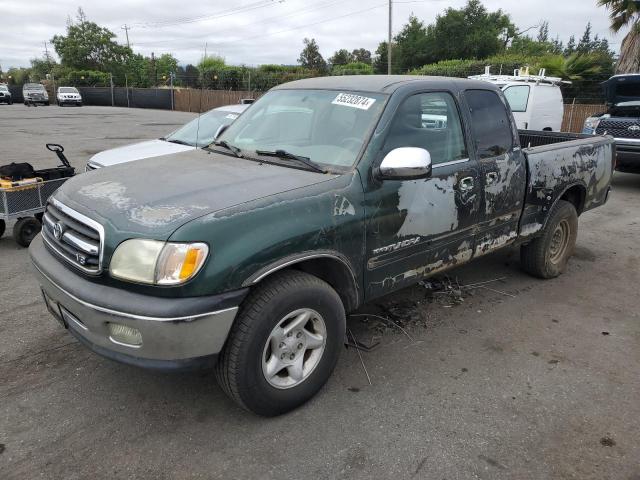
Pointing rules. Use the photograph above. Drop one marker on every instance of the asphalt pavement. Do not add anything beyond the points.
(519, 378)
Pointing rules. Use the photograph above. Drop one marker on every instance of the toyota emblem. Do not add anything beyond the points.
(57, 230)
(634, 128)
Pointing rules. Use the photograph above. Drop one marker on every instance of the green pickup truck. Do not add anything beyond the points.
(325, 194)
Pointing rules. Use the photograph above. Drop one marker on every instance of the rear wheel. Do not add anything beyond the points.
(283, 345)
(547, 255)
(25, 230)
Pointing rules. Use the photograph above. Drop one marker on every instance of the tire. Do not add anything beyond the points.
(10, 101)
(25, 230)
(547, 255)
(276, 301)
(3, 227)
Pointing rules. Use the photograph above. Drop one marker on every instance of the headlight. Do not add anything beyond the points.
(157, 263)
(590, 124)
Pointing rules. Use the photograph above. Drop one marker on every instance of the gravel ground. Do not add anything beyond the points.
(528, 380)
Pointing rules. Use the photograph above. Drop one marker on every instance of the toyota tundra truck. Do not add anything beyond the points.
(325, 194)
(621, 120)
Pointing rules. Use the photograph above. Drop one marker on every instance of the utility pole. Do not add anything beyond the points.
(153, 68)
(390, 34)
(126, 28)
(126, 87)
(111, 82)
(171, 80)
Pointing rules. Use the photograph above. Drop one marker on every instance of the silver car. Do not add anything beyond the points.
(198, 133)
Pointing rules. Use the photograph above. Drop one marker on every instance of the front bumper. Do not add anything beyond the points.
(70, 100)
(627, 156)
(176, 333)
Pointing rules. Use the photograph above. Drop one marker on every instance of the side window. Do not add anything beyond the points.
(429, 121)
(518, 97)
(490, 123)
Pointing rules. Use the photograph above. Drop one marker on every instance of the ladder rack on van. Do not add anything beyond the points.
(519, 75)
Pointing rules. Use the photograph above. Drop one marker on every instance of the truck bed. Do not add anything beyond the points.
(535, 138)
(560, 165)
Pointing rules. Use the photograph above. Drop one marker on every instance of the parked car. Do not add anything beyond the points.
(326, 194)
(68, 95)
(621, 120)
(199, 132)
(5, 94)
(34, 93)
(535, 100)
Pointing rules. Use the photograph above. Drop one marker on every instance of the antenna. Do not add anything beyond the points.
(204, 58)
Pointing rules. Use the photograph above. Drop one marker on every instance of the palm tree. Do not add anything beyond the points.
(626, 13)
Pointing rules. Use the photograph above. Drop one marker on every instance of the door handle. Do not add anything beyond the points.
(466, 183)
(492, 177)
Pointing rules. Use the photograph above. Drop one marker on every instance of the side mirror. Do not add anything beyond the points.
(405, 163)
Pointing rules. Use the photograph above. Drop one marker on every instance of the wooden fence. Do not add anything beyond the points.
(576, 113)
(195, 100)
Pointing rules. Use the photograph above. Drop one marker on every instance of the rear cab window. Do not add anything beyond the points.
(490, 123)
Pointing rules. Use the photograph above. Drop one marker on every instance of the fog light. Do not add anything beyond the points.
(128, 336)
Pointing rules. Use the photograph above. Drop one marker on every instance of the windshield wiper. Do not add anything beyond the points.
(223, 143)
(292, 156)
(179, 142)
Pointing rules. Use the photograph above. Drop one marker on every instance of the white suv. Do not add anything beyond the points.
(69, 95)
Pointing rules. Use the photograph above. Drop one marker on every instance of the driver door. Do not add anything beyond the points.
(418, 227)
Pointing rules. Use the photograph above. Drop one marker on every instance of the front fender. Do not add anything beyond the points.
(250, 239)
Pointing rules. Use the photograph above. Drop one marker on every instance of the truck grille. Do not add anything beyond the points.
(619, 128)
(74, 237)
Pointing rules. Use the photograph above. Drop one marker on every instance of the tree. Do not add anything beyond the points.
(341, 57)
(353, 68)
(191, 76)
(89, 46)
(623, 14)
(585, 44)
(412, 49)
(471, 32)
(571, 46)
(543, 32)
(310, 56)
(361, 55)
(380, 59)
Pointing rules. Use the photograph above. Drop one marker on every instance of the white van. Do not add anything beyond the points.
(535, 100)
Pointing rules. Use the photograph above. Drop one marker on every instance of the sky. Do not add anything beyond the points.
(254, 32)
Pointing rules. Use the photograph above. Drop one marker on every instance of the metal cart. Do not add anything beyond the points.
(27, 203)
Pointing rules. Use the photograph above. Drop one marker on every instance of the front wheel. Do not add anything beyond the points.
(3, 227)
(283, 345)
(25, 230)
(547, 255)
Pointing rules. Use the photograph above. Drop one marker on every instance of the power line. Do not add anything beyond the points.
(222, 14)
(262, 35)
(263, 21)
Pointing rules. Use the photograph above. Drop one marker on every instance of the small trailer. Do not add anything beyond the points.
(24, 193)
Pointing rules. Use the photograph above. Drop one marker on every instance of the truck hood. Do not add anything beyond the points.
(153, 197)
(136, 151)
(622, 88)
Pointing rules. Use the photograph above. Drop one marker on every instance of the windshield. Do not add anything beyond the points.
(327, 127)
(67, 90)
(34, 86)
(203, 129)
(4, 88)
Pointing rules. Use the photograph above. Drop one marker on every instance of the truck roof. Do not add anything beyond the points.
(380, 83)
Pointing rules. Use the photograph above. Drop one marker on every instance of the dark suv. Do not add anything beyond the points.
(621, 120)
